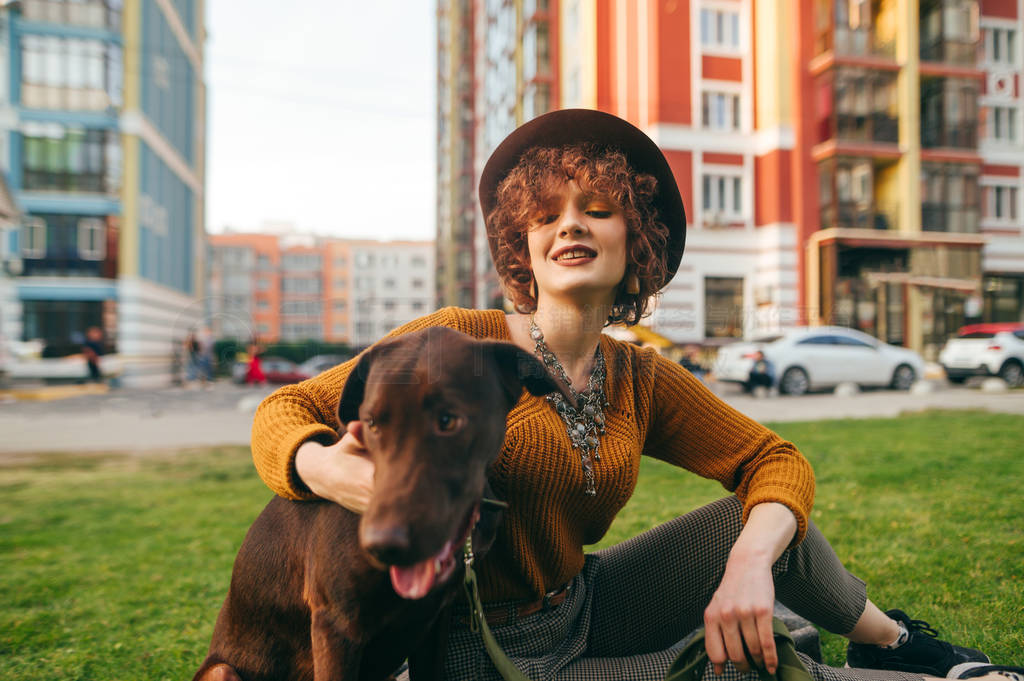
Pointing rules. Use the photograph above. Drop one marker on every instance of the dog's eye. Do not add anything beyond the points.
(446, 422)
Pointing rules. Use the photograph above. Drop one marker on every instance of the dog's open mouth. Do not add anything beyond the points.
(416, 581)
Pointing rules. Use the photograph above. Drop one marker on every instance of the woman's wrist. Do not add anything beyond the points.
(307, 458)
(768, 532)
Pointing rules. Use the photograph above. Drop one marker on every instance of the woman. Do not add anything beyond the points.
(254, 372)
(585, 223)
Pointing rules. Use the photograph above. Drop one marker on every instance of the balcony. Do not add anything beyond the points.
(944, 217)
(854, 215)
(954, 52)
(848, 127)
(861, 42)
(949, 32)
(949, 113)
(59, 265)
(956, 136)
(64, 181)
(857, 105)
(855, 28)
(89, 13)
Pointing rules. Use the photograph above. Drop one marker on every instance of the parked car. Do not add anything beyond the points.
(811, 358)
(281, 370)
(321, 363)
(986, 350)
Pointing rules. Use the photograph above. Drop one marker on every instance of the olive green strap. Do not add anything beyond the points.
(692, 660)
(478, 622)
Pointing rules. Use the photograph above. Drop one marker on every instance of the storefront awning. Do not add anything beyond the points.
(639, 334)
(965, 285)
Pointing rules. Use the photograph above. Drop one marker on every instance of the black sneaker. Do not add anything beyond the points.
(922, 653)
(972, 670)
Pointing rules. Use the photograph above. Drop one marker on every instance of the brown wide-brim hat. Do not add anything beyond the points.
(569, 127)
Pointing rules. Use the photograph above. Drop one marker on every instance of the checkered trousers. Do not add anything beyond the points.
(628, 612)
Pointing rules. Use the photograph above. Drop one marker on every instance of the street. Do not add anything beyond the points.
(139, 421)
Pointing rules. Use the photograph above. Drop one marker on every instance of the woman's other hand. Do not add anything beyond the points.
(342, 472)
(740, 611)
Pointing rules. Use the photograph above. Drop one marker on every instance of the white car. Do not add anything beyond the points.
(809, 358)
(986, 350)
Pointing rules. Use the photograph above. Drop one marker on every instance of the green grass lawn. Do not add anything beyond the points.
(114, 567)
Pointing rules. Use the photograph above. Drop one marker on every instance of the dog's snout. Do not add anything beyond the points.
(388, 544)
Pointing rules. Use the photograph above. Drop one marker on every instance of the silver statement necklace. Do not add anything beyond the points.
(586, 422)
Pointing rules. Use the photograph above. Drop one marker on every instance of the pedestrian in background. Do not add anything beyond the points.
(762, 375)
(93, 349)
(691, 362)
(191, 359)
(254, 374)
(205, 344)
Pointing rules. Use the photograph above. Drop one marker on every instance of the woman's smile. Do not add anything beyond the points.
(578, 247)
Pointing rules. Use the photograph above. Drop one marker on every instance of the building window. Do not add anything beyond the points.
(262, 304)
(340, 283)
(1001, 123)
(418, 261)
(949, 197)
(417, 305)
(417, 283)
(949, 113)
(263, 262)
(1001, 46)
(389, 304)
(70, 73)
(91, 13)
(720, 111)
(720, 29)
(999, 202)
(340, 262)
(339, 305)
(300, 285)
(60, 158)
(722, 197)
(301, 262)
(389, 283)
(308, 308)
(92, 244)
(723, 307)
(33, 238)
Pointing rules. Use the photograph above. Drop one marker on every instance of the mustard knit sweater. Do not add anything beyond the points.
(657, 408)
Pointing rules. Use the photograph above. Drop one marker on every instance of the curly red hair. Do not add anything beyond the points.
(533, 185)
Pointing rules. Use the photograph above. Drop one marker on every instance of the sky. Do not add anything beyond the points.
(321, 114)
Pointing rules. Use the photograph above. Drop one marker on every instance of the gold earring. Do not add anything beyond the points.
(632, 284)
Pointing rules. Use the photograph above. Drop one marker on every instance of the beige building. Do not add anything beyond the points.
(299, 287)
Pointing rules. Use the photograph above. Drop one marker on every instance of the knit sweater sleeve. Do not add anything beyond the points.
(293, 414)
(690, 427)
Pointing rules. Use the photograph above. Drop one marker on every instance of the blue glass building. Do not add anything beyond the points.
(105, 156)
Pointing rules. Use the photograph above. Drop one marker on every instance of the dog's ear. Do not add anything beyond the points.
(520, 369)
(355, 385)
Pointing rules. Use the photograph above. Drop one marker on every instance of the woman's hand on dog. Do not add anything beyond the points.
(342, 472)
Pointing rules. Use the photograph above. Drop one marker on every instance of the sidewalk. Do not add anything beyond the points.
(172, 418)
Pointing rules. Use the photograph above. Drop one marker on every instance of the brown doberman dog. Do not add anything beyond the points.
(319, 592)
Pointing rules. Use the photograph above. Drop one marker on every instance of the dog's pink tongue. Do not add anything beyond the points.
(413, 581)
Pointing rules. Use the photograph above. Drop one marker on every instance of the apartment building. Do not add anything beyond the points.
(497, 68)
(105, 158)
(300, 287)
(842, 161)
